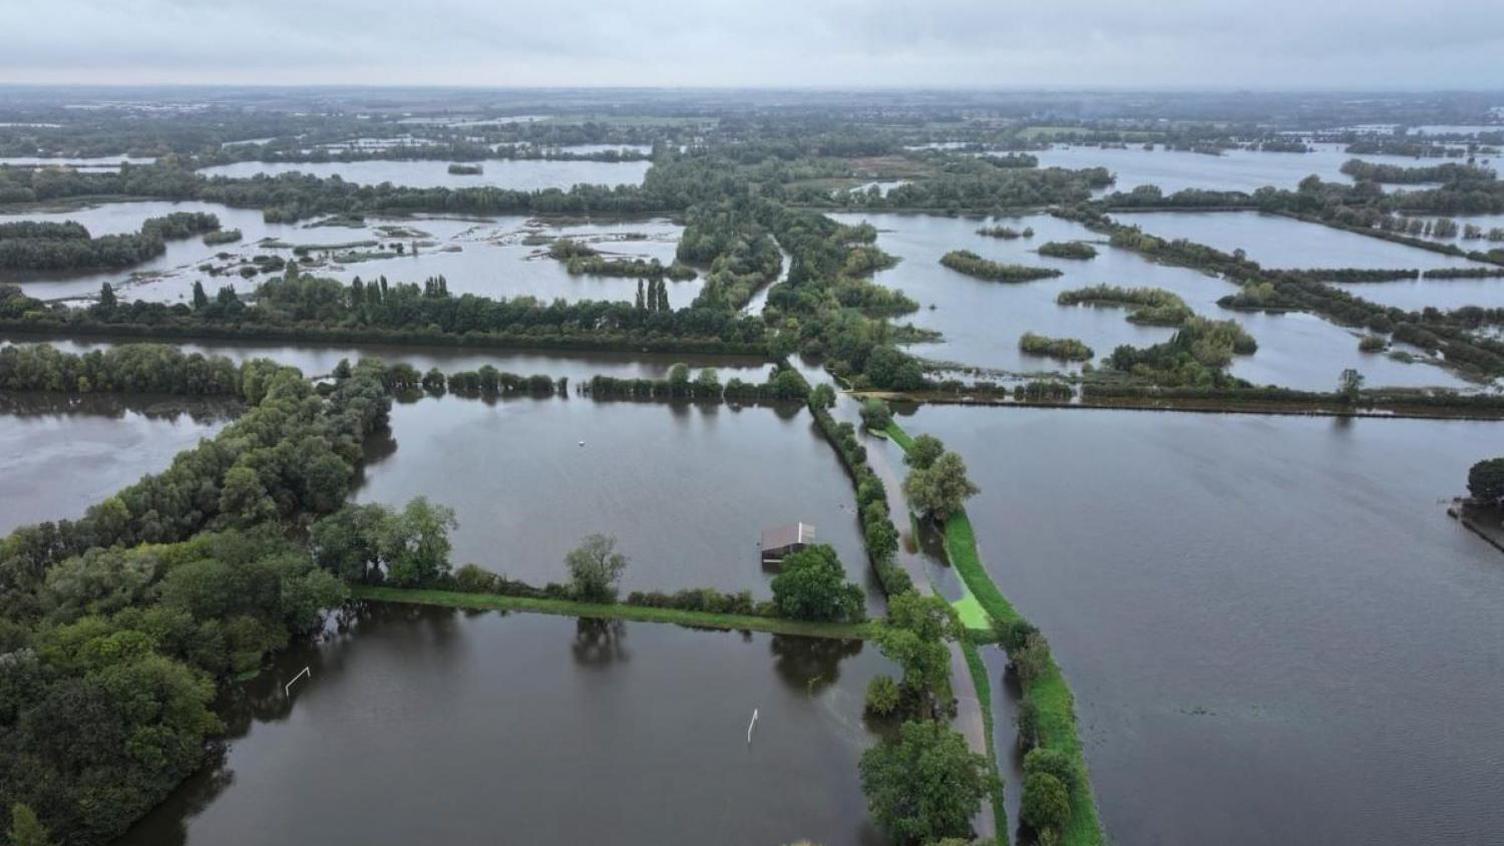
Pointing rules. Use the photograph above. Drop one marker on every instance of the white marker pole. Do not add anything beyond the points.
(750, 725)
(288, 687)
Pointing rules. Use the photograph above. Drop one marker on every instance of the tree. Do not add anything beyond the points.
(812, 586)
(594, 568)
(926, 784)
(243, 500)
(415, 543)
(914, 637)
(1046, 803)
(200, 298)
(1485, 482)
(823, 396)
(923, 452)
(940, 490)
(107, 296)
(876, 415)
(25, 828)
(1350, 386)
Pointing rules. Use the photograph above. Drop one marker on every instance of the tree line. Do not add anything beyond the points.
(32, 245)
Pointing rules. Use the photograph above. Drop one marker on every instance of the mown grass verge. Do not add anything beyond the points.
(616, 611)
(1057, 707)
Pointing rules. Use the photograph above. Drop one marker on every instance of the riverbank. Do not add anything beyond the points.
(617, 611)
(1049, 691)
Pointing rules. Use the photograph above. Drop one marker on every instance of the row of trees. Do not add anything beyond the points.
(129, 368)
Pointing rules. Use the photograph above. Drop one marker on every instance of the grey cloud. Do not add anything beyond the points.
(1276, 43)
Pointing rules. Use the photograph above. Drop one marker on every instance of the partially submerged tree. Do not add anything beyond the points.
(914, 637)
(924, 785)
(1485, 482)
(941, 489)
(812, 586)
(594, 568)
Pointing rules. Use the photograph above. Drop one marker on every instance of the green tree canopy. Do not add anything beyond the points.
(812, 586)
(595, 567)
(923, 452)
(924, 785)
(940, 490)
(1485, 481)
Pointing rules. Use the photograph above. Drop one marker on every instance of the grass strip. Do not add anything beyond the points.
(984, 698)
(617, 611)
(1057, 706)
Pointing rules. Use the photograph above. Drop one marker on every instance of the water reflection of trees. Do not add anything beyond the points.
(599, 643)
(166, 407)
(810, 663)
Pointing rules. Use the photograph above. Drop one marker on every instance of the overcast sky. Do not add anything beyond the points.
(973, 43)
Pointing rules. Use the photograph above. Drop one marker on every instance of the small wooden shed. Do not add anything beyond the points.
(780, 542)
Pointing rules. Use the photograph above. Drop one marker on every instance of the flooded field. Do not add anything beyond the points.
(428, 725)
(1281, 242)
(515, 174)
(1273, 631)
(504, 256)
(1234, 170)
(982, 320)
(686, 489)
(60, 456)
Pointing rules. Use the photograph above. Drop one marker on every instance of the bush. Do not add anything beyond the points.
(1372, 343)
(1028, 723)
(1055, 763)
(882, 696)
(1046, 803)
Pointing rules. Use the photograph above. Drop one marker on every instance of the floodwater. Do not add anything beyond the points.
(982, 320)
(320, 360)
(1273, 632)
(1285, 243)
(58, 456)
(514, 174)
(503, 256)
(1234, 170)
(686, 489)
(92, 163)
(429, 725)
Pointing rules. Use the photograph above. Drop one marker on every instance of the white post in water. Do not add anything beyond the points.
(750, 725)
(288, 687)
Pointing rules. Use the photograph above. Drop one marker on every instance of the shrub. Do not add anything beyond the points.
(1055, 763)
(882, 696)
(1046, 804)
